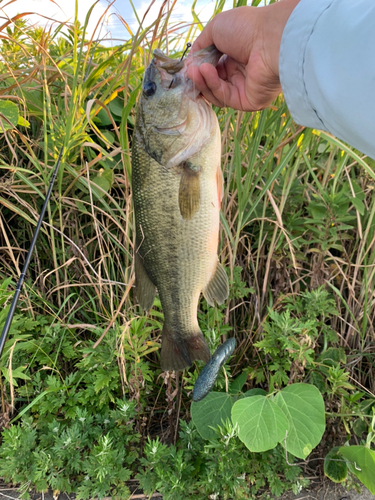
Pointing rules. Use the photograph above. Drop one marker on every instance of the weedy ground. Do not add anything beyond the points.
(85, 406)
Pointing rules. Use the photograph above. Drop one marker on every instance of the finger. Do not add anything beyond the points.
(222, 69)
(219, 92)
(195, 75)
(232, 32)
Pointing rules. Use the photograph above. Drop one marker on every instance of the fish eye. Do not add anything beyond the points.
(149, 88)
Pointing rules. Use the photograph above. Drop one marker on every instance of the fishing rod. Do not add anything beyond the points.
(13, 306)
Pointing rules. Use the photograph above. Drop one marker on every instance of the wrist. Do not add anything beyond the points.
(275, 19)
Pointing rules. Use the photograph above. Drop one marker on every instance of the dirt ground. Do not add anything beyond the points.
(328, 491)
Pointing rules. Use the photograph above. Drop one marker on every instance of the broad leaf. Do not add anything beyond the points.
(213, 410)
(335, 467)
(104, 180)
(358, 204)
(261, 423)
(8, 110)
(255, 392)
(23, 122)
(238, 383)
(303, 406)
(361, 463)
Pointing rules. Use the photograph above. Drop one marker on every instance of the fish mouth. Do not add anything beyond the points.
(175, 130)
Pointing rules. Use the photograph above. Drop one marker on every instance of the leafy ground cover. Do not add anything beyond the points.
(85, 406)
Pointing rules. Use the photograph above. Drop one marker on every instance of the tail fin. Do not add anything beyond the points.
(178, 352)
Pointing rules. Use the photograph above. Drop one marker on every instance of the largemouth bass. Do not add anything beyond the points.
(177, 186)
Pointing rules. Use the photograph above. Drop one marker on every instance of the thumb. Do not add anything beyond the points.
(205, 39)
(232, 32)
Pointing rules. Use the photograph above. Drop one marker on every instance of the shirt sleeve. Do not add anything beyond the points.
(327, 68)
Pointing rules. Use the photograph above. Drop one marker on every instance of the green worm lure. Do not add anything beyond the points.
(208, 375)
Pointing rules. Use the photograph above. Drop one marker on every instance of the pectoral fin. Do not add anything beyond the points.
(144, 288)
(218, 288)
(189, 196)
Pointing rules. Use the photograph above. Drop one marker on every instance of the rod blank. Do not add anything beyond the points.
(13, 306)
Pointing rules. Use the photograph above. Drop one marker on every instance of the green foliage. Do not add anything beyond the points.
(88, 453)
(361, 462)
(330, 218)
(291, 338)
(295, 417)
(335, 467)
(303, 406)
(261, 423)
(297, 239)
(212, 411)
(219, 468)
(9, 116)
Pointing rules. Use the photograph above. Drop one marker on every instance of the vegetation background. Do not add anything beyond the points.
(85, 406)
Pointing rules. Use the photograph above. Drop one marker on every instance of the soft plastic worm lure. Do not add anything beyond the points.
(208, 375)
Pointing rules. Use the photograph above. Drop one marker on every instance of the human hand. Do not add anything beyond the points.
(247, 77)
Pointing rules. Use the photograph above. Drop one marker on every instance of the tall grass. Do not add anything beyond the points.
(298, 209)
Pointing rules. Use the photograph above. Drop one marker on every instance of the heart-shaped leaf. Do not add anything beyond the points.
(303, 406)
(212, 411)
(261, 423)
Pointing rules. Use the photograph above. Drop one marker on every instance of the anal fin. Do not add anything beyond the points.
(218, 288)
(144, 288)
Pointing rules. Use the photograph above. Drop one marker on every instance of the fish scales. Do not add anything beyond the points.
(176, 185)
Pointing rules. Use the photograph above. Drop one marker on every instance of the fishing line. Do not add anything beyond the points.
(16, 296)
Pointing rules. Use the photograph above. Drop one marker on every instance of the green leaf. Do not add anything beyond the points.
(317, 210)
(116, 106)
(303, 406)
(334, 466)
(331, 357)
(261, 423)
(318, 380)
(254, 392)
(358, 204)
(103, 118)
(213, 410)
(359, 427)
(104, 180)
(34, 101)
(9, 110)
(238, 383)
(366, 406)
(23, 122)
(110, 136)
(362, 464)
(16, 373)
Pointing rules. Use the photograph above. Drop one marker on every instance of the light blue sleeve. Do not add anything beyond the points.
(327, 68)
